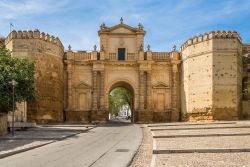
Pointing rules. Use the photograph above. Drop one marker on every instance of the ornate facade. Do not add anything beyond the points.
(201, 82)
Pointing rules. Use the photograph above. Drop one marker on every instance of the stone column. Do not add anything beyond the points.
(149, 99)
(94, 92)
(69, 71)
(175, 97)
(141, 90)
(102, 91)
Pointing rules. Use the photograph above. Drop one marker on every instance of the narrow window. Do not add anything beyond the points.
(121, 53)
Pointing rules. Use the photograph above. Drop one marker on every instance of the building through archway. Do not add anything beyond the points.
(121, 102)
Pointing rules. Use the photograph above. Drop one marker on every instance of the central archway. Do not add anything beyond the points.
(129, 88)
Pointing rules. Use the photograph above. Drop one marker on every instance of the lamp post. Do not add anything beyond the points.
(13, 83)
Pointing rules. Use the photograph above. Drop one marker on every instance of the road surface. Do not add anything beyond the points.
(110, 145)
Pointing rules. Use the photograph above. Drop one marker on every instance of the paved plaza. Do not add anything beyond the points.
(223, 144)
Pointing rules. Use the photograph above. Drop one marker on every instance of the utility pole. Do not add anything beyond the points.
(13, 83)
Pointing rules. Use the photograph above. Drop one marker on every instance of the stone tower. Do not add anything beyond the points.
(47, 52)
(211, 76)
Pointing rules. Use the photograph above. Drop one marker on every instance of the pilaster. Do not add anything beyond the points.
(69, 73)
(175, 97)
(94, 92)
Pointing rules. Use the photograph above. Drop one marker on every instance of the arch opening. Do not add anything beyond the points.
(121, 102)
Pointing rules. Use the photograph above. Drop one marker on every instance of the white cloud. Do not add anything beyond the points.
(166, 22)
(16, 9)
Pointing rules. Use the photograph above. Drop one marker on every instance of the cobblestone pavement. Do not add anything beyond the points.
(218, 139)
(144, 154)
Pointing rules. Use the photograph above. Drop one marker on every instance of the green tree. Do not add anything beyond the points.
(117, 99)
(20, 70)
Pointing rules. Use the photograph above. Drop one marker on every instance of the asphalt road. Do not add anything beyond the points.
(110, 145)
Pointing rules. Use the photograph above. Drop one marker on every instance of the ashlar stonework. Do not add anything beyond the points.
(201, 82)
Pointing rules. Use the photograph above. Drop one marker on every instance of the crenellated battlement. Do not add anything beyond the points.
(33, 35)
(209, 36)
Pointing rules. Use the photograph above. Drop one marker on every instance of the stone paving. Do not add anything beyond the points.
(144, 154)
(202, 132)
(203, 160)
(223, 144)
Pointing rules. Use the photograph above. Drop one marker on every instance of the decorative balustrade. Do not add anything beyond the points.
(112, 56)
(85, 56)
(131, 56)
(160, 56)
(82, 55)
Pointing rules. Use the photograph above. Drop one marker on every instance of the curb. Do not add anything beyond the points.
(215, 123)
(45, 138)
(4, 155)
(200, 135)
(213, 150)
(200, 128)
(23, 150)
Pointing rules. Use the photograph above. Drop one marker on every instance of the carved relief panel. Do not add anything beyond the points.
(82, 97)
(161, 97)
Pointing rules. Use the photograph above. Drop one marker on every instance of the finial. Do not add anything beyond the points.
(102, 26)
(140, 26)
(141, 47)
(148, 47)
(121, 20)
(102, 48)
(174, 48)
(95, 47)
(69, 47)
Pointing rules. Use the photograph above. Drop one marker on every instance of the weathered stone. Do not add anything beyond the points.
(202, 82)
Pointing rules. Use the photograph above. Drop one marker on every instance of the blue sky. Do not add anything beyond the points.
(167, 22)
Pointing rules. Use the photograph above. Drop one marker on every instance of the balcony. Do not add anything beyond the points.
(160, 56)
(128, 57)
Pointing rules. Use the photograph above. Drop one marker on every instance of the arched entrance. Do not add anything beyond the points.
(130, 90)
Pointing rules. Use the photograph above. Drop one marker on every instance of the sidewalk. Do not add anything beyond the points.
(37, 137)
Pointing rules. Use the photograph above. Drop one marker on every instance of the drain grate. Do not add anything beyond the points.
(122, 150)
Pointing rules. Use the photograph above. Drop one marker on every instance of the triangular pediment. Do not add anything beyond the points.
(83, 86)
(122, 28)
(160, 85)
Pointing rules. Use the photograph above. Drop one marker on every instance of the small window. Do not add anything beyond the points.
(121, 53)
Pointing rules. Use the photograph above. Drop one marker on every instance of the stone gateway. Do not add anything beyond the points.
(201, 82)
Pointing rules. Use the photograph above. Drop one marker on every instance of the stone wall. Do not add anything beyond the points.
(47, 52)
(207, 86)
(211, 76)
(154, 85)
(3, 124)
(245, 109)
(227, 78)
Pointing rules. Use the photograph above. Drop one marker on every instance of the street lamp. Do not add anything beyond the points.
(13, 83)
